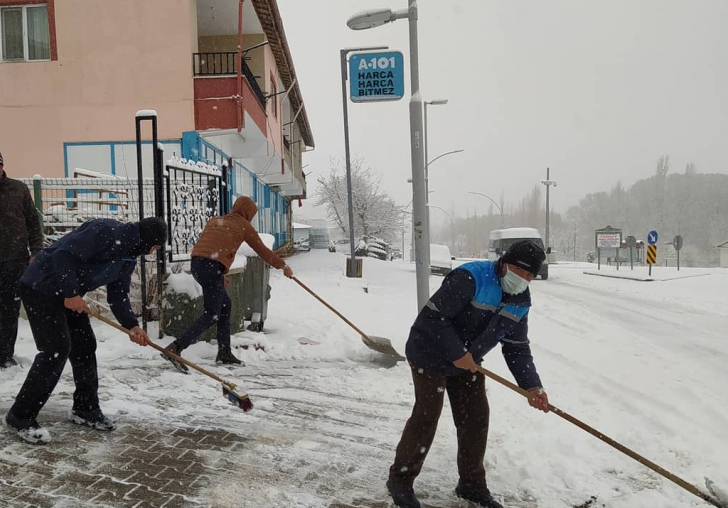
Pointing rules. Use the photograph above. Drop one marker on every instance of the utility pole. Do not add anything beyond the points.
(548, 183)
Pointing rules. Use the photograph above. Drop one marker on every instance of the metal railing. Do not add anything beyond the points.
(225, 64)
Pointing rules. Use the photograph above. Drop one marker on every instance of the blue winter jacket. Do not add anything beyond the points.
(470, 312)
(99, 253)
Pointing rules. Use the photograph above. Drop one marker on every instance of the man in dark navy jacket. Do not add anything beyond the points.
(101, 252)
(479, 305)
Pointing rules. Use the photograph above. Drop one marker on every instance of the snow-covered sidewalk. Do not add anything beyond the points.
(327, 417)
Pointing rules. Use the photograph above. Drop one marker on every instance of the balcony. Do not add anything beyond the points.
(215, 88)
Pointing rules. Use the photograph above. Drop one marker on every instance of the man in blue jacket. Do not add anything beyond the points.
(479, 305)
(101, 252)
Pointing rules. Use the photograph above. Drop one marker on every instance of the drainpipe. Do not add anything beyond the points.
(239, 98)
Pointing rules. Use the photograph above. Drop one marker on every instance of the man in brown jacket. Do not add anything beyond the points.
(212, 256)
(20, 239)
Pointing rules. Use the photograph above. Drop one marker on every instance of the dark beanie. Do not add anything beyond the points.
(152, 231)
(525, 254)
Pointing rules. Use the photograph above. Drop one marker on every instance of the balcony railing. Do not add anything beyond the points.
(223, 64)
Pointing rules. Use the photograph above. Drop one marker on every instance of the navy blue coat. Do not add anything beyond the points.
(471, 313)
(101, 252)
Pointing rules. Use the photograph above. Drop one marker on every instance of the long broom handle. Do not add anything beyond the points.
(164, 351)
(611, 442)
(304, 286)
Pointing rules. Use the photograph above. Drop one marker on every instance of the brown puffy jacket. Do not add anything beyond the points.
(222, 236)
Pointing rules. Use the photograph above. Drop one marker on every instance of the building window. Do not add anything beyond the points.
(25, 33)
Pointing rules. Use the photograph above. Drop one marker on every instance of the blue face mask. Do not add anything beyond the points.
(512, 283)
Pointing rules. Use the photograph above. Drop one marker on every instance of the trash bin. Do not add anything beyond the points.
(256, 293)
(249, 292)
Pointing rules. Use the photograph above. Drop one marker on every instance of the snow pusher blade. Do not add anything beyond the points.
(379, 344)
(228, 388)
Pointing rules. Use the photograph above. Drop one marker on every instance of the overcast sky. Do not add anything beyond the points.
(595, 90)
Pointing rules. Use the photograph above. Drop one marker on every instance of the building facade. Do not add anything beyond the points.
(219, 74)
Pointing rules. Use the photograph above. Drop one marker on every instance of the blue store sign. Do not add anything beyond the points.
(376, 76)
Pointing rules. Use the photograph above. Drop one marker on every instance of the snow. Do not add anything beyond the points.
(643, 363)
(146, 112)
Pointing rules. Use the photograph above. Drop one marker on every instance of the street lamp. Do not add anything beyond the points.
(434, 102)
(548, 183)
(492, 201)
(452, 224)
(377, 17)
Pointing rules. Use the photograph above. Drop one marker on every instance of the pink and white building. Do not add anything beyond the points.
(219, 74)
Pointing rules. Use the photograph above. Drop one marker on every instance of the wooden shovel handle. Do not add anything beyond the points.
(164, 351)
(304, 286)
(611, 442)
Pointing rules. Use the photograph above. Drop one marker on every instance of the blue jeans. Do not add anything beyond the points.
(210, 275)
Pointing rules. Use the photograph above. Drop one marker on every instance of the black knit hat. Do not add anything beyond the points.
(152, 231)
(525, 254)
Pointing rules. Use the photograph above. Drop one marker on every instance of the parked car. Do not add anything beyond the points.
(440, 259)
(302, 245)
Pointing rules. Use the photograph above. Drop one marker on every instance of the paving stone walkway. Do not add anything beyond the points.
(136, 465)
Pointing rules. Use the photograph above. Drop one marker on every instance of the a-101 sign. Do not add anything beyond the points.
(376, 76)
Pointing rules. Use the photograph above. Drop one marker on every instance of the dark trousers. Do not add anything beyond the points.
(211, 276)
(470, 413)
(10, 273)
(59, 334)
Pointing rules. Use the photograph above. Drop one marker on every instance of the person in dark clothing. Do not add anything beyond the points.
(20, 238)
(101, 252)
(212, 257)
(479, 305)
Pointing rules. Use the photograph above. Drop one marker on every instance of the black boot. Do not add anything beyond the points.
(94, 419)
(174, 348)
(480, 497)
(404, 497)
(226, 356)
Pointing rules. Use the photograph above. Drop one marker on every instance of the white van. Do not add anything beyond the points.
(440, 259)
(501, 239)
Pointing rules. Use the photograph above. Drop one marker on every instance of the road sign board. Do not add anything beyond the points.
(652, 237)
(677, 242)
(631, 241)
(376, 76)
(651, 254)
(609, 240)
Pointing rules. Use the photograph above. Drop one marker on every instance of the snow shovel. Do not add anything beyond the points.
(228, 389)
(379, 344)
(719, 497)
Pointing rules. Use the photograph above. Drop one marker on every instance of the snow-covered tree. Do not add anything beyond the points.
(375, 213)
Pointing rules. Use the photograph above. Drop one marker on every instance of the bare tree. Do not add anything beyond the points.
(375, 213)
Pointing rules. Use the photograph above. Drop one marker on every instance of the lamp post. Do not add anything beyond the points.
(492, 201)
(351, 271)
(427, 172)
(378, 17)
(452, 224)
(434, 102)
(548, 183)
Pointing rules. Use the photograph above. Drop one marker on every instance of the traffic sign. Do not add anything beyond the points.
(631, 241)
(376, 76)
(651, 254)
(677, 242)
(652, 237)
